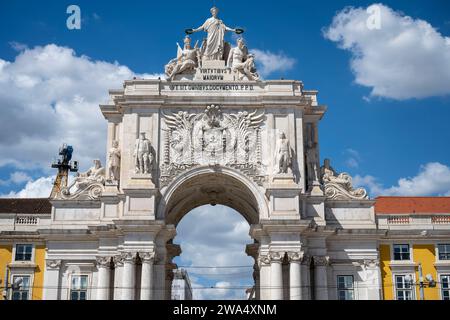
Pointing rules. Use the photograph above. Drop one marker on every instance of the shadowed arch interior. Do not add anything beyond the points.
(211, 188)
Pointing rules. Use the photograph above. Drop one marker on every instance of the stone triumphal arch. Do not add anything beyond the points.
(212, 132)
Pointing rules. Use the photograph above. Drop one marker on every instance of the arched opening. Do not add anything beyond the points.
(213, 241)
(213, 196)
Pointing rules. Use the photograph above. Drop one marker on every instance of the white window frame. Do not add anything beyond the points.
(440, 275)
(353, 285)
(411, 258)
(69, 293)
(438, 251)
(33, 252)
(413, 286)
(21, 274)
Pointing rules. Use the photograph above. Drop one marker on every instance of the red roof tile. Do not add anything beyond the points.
(389, 205)
(17, 205)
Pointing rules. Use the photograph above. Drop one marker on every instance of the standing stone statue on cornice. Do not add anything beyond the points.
(114, 162)
(143, 155)
(312, 164)
(283, 153)
(214, 49)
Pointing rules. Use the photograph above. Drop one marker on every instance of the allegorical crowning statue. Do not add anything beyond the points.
(213, 48)
(186, 60)
(215, 28)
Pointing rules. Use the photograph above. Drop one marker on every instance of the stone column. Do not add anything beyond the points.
(276, 276)
(305, 279)
(320, 277)
(147, 259)
(104, 270)
(264, 277)
(118, 272)
(128, 276)
(295, 282)
(51, 280)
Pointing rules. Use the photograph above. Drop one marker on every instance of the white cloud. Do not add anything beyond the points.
(353, 158)
(18, 46)
(405, 58)
(50, 95)
(39, 188)
(16, 177)
(216, 237)
(269, 62)
(433, 179)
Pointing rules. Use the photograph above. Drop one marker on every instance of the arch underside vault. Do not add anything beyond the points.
(213, 186)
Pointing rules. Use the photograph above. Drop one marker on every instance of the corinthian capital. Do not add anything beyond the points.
(264, 259)
(306, 259)
(321, 260)
(295, 256)
(129, 257)
(53, 264)
(147, 257)
(103, 262)
(276, 256)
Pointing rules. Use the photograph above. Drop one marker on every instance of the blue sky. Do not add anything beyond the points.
(386, 124)
(392, 138)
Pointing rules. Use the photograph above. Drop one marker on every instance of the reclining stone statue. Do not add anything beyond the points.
(339, 186)
(88, 184)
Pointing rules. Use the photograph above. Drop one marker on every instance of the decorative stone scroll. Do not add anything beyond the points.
(339, 186)
(213, 138)
(87, 186)
(321, 260)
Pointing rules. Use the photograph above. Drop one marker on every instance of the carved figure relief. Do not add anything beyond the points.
(187, 60)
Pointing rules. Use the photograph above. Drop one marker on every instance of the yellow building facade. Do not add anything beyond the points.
(415, 250)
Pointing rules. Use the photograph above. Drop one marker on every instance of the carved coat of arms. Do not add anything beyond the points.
(212, 137)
